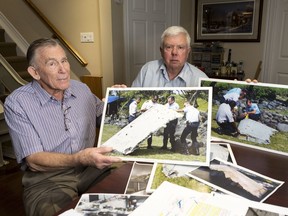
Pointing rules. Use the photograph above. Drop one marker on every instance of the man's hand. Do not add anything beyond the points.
(96, 157)
(50, 161)
(116, 86)
(119, 86)
(249, 80)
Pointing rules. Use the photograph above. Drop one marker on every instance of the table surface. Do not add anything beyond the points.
(266, 163)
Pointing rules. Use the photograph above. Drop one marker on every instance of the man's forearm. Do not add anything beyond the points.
(48, 161)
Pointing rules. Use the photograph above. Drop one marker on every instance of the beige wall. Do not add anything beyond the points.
(118, 42)
(70, 17)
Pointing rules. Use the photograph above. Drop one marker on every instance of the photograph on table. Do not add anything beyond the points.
(138, 178)
(249, 114)
(236, 180)
(177, 173)
(222, 151)
(166, 125)
(108, 204)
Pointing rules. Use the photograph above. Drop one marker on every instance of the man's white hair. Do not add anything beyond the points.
(174, 31)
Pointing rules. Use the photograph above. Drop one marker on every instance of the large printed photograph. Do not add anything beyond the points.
(250, 114)
(170, 125)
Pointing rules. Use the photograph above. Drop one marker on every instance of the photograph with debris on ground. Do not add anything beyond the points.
(166, 125)
(260, 114)
(177, 173)
(236, 180)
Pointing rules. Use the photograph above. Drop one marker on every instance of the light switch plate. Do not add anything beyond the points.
(87, 37)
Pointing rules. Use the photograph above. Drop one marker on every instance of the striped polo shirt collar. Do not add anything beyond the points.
(45, 97)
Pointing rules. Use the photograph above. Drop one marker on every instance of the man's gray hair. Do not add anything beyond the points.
(174, 31)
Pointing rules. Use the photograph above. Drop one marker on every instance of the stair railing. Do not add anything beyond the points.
(56, 33)
(9, 78)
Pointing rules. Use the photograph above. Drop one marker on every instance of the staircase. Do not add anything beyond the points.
(11, 67)
(9, 51)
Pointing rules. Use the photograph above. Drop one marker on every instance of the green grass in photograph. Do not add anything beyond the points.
(277, 141)
(184, 181)
(156, 152)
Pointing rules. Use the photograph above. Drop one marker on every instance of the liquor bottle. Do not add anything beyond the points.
(229, 62)
(229, 56)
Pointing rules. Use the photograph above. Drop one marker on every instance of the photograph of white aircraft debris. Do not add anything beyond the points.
(250, 114)
(168, 125)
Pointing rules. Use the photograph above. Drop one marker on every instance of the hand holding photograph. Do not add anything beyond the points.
(158, 125)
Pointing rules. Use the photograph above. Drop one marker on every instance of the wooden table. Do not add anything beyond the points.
(266, 163)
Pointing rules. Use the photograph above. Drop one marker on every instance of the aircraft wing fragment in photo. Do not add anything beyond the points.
(127, 139)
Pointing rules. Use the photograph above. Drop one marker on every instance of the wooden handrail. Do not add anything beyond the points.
(9, 77)
(56, 33)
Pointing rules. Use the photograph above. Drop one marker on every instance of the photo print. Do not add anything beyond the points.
(167, 125)
(138, 179)
(177, 173)
(108, 204)
(236, 180)
(250, 114)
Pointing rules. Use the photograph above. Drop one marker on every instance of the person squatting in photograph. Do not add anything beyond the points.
(225, 119)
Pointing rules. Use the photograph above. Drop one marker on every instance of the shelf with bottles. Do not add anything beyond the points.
(229, 70)
(208, 57)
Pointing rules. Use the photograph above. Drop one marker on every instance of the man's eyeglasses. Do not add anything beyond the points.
(67, 121)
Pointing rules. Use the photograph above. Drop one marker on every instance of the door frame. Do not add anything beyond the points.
(269, 36)
(175, 20)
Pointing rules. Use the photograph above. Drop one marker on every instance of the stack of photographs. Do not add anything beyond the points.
(152, 127)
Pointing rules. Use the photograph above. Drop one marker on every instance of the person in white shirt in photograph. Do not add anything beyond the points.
(192, 116)
(169, 130)
(133, 109)
(148, 105)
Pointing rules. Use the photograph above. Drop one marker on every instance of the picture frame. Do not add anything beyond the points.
(228, 20)
(129, 140)
(269, 132)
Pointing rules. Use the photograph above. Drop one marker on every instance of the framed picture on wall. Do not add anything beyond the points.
(228, 20)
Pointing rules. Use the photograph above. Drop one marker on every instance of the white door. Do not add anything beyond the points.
(145, 20)
(275, 65)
